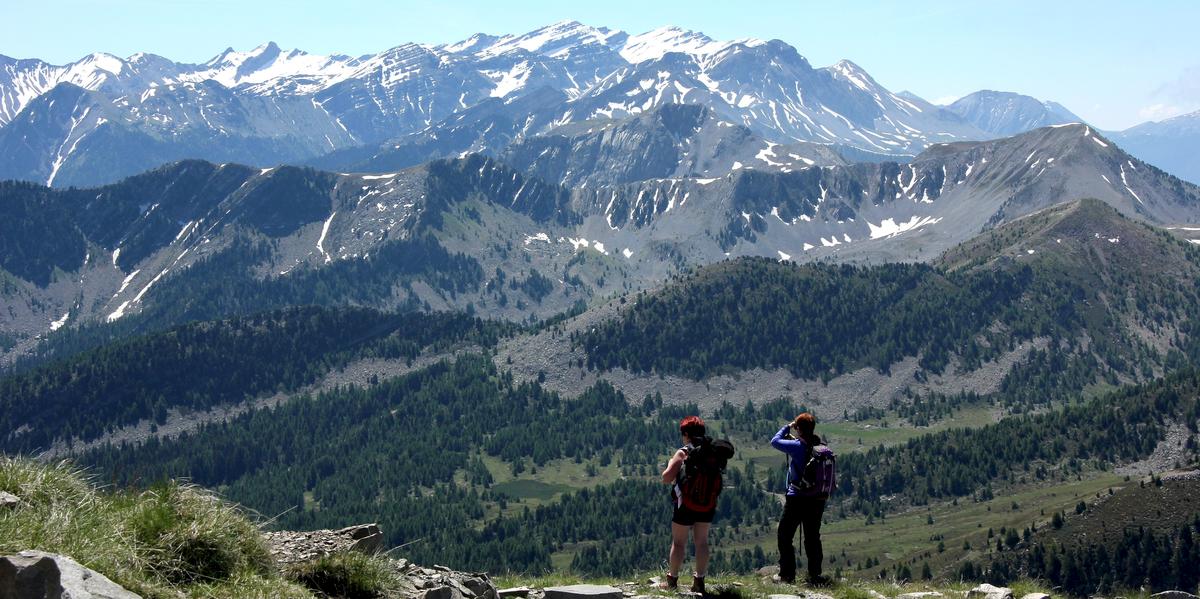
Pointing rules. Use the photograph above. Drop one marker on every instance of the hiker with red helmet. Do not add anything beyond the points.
(810, 480)
(694, 473)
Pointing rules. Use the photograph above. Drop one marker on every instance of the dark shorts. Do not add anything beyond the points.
(686, 517)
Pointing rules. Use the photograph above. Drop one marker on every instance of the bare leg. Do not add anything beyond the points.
(679, 535)
(700, 538)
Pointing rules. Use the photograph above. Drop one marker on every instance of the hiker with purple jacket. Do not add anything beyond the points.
(810, 480)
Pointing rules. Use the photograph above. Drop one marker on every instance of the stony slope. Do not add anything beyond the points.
(673, 141)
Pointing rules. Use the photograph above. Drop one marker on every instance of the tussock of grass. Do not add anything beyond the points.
(350, 575)
(158, 543)
(242, 586)
(195, 536)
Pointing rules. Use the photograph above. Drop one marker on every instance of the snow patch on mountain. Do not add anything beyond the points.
(888, 227)
(655, 44)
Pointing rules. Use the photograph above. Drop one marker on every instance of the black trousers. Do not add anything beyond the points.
(805, 513)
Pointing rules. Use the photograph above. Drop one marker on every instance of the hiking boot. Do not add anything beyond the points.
(698, 584)
(818, 580)
(668, 583)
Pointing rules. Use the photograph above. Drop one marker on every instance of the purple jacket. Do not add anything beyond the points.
(797, 453)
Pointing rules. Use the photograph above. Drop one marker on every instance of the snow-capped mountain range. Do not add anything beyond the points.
(270, 105)
(104, 117)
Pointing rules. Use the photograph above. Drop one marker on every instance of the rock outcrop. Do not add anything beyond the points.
(41, 575)
(987, 591)
(417, 582)
(289, 547)
(440, 582)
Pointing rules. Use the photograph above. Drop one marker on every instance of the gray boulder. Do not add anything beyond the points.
(442, 592)
(1171, 595)
(1035, 596)
(368, 538)
(583, 591)
(987, 591)
(9, 501)
(41, 575)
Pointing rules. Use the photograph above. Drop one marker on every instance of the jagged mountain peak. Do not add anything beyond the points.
(470, 45)
(104, 61)
(235, 58)
(855, 75)
(656, 43)
(272, 65)
(554, 40)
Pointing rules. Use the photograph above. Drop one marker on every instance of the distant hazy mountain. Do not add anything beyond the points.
(269, 105)
(1004, 113)
(1172, 145)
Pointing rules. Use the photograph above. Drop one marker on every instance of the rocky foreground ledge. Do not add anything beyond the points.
(417, 582)
(41, 575)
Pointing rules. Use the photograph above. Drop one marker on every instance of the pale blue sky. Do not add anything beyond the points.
(1113, 63)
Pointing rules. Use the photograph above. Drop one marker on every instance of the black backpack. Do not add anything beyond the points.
(700, 480)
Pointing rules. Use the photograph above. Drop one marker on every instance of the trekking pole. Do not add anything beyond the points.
(276, 517)
(404, 545)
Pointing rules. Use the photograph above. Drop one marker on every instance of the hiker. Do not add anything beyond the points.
(684, 517)
(809, 482)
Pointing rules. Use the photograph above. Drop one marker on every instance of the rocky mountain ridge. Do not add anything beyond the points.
(113, 245)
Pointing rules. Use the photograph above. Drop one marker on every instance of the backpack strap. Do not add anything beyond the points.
(795, 476)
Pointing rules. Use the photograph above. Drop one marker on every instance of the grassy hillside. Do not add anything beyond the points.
(168, 539)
